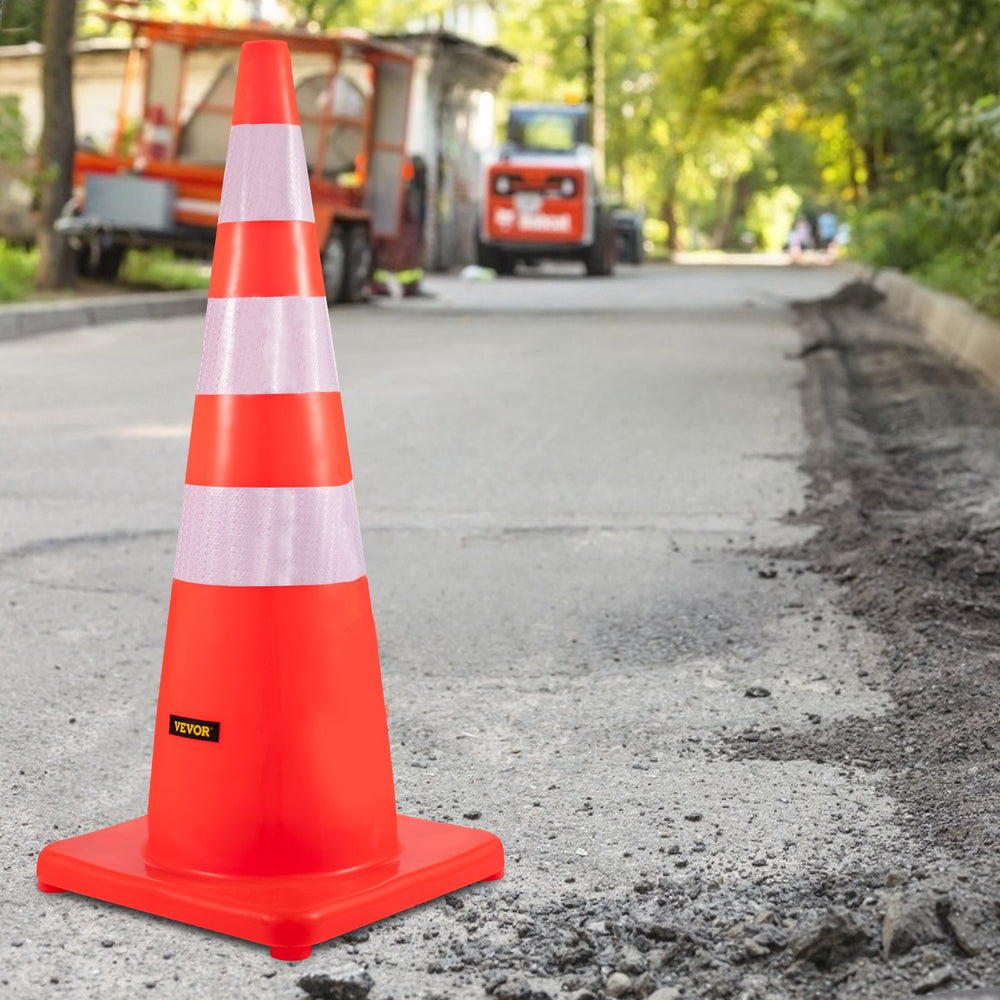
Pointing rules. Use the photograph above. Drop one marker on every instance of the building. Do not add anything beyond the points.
(452, 127)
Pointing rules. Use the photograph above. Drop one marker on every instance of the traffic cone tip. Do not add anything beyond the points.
(265, 89)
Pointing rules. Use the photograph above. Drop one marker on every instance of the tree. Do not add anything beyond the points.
(57, 145)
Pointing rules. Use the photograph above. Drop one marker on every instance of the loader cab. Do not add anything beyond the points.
(541, 128)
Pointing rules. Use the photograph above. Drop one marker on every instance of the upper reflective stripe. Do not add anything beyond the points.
(266, 345)
(270, 537)
(266, 175)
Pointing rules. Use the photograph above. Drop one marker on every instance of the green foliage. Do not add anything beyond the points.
(17, 272)
(923, 118)
(376, 16)
(13, 148)
(958, 271)
(22, 22)
(159, 268)
(932, 239)
(907, 236)
(771, 215)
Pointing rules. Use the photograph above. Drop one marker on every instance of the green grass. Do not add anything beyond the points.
(17, 272)
(146, 269)
(159, 268)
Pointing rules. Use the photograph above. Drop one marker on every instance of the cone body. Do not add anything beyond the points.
(271, 805)
(270, 634)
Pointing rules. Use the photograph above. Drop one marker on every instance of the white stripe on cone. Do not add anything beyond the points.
(269, 536)
(267, 345)
(266, 175)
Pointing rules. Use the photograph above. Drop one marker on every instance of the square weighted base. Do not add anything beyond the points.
(289, 913)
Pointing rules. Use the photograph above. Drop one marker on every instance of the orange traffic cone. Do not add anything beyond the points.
(272, 813)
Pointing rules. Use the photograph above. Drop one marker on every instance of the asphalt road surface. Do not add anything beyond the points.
(586, 514)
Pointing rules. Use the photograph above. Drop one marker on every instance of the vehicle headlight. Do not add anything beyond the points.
(501, 184)
(567, 187)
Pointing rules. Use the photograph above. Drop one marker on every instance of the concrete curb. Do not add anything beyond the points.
(949, 323)
(33, 318)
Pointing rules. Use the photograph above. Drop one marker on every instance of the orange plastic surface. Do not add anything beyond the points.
(265, 258)
(274, 439)
(301, 778)
(289, 913)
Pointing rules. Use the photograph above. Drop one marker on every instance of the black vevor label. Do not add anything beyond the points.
(194, 729)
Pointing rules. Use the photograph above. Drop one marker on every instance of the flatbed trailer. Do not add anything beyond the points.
(161, 185)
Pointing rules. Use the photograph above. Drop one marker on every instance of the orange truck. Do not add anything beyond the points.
(161, 182)
(541, 194)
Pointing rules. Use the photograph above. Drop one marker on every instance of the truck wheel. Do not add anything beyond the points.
(357, 265)
(105, 264)
(505, 263)
(486, 256)
(334, 263)
(600, 257)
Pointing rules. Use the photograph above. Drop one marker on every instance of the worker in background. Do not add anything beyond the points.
(404, 261)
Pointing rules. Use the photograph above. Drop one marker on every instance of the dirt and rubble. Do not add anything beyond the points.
(904, 466)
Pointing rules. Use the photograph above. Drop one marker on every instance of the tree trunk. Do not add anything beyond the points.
(733, 212)
(853, 170)
(723, 213)
(873, 166)
(668, 213)
(56, 148)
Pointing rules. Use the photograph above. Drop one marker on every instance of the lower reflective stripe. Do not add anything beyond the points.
(269, 537)
(264, 345)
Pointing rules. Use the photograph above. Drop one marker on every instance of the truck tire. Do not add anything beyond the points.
(486, 256)
(105, 264)
(357, 265)
(505, 263)
(599, 259)
(334, 263)
(639, 254)
(494, 258)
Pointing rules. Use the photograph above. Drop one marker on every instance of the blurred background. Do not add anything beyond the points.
(725, 125)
